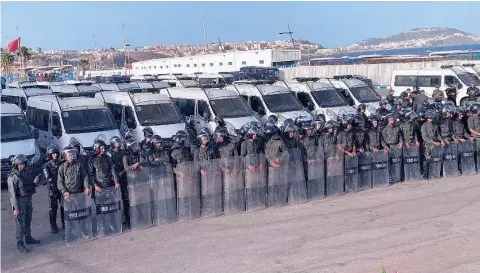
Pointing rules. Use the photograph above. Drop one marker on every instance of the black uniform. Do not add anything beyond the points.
(50, 171)
(21, 188)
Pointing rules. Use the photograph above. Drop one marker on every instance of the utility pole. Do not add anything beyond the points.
(204, 31)
(289, 32)
(124, 46)
(94, 49)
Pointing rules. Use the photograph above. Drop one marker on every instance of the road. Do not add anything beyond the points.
(410, 227)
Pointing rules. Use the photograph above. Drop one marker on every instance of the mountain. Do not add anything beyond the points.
(418, 37)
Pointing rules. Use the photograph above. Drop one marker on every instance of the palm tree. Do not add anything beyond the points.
(25, 55)
(7, 62)
(84, 64)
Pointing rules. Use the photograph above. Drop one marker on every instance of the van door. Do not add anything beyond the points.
(203, 116)
(257, 106)
(55, 129)
(39, 119)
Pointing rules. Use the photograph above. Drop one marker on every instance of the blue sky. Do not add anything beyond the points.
(71, 25)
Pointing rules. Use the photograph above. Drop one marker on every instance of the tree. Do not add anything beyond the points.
(7, 63)
(84, 64)
(25, 55)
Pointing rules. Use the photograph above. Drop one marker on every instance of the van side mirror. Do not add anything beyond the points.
(35, 133)
(56, 130)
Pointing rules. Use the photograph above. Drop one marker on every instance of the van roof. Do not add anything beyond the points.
(28, 92)
(8, 108)
(68, 102)
(261, 89)
(75, 88)
(213, 76)
(137, 98)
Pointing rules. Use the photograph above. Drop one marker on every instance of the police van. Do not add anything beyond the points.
(179, 80)
(428, 78)
(59, 118)
(320, 98)
(357, 91)
(18, 138)
(473, 71)
(136, 109)
(214, 80)
(201, 106)
(266, 99)
(144, 78)
(19, 95)
(87, 90)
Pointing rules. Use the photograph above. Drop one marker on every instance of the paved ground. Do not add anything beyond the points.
(411, 227)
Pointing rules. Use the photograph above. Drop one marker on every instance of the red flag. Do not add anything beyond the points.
(14, 45)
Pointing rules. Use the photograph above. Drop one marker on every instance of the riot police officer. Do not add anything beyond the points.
(308, 142)
(179, 152)
(383, 111)
(390, 98)
(219, 123)
(21, 187)
(329, 142)
(116, 153)
(290, 136)
(374, 136)
(346, 139)
(50, 171)
(418, 100)
(102, 169)
(459, 131)
(361, 111)
(359, 133)
(474, 120)
(224, 148)
(431, 138)
(408, 129)
(392, 135)
(406, 97)
(252, 144)
(147, 137)
(133, 159)
(438, 94)
(318, 128)
(158, 155)
(204, 152)
(445, 124)
(274, 146)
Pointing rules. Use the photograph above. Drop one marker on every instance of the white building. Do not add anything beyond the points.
(220, 62)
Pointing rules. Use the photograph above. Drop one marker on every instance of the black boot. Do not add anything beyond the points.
(54, 229)
(29, 240)
(62, 217)
(21, 248)
(426, 167)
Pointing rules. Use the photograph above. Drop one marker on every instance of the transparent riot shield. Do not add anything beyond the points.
(351, 174)
(450, 160)
(435, 169)
(335, 181)
(277, 191)
(297, 187)
(365, 160)
(466, 158)
(395, 164)
(255, 181)
(315, 167)
(140, 196)
(233, 185)
(164, 198)
(477, 153)
(188, 190)
(411, 164)
(108, 209)
(380, 173)
(211, 188)
(78, 218)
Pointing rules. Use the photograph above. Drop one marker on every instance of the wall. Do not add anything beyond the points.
(379, 73)
(121, 72)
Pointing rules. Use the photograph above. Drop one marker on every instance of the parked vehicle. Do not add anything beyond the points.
(357, 92)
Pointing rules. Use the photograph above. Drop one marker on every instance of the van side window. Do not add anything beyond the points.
(203, 109)
(405, 80)
(186, 106)
(116, 110)
(255, 103)
(38, 118)
(452, 80)
(56, 121)
(304, 98)
(428, 81)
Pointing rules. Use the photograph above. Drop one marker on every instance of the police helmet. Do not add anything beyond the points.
(70, 151)
(411, 115)
(430, 115)
(52, 149)
(271, 130)
(329, 125)
(18, 160)
(115, 140)
(421, 114)
(373, 118)
(448, 109)
(358, 120)
(270, 123)
(156, 139)
(273, 118)
(475, 107)
(129, 134)
(383, 102)
(97, 144)
(361, 106)
(132, 146)
(253, 131)
(429, 104)
(290, 128)
(147, 131)
(288, 121)
(398, 102)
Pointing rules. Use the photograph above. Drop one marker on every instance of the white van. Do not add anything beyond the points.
(58, 119)
(203, 105)
(179, 80)
(19, 96)
(214, 80)
(267, 100)
(428, 78)
(137, 110)
(116, 86)
(357, 92)
(18, 138)
(144, 78)
(321, 98)
(88, 90)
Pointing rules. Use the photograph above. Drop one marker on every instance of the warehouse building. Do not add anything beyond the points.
(220, 62)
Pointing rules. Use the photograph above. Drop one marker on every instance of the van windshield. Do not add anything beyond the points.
(328, 98)
(88, 120)
(475, 77)
(466, 79)
(188, 82)
(364, 94)
(231, 108)
(283, 102)
(15, 128)
(157, 114)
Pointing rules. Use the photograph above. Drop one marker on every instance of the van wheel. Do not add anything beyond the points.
(463, 101)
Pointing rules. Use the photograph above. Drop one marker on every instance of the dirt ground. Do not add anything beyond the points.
(410, 227)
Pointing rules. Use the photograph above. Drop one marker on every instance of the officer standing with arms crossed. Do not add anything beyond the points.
(102, 169)
(50, 171)
(21, 187)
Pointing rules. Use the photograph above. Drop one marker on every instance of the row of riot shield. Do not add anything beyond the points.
(86, 219)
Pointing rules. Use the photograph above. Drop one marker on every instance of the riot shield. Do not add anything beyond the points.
(435, 169)
(380, 173)
(277, 180)
(108, 204)
(315, 175)
(395, 164)
(351, 174)
(411, 164)
(450, 160)
(164, 199)
(78, 218)
(211, 189)
(188, 190)
(364, 171)
(335, 182)
(255, 181)
(297, 187)
(466, 158)
(233, 185)
(477, 153)
(140, 196)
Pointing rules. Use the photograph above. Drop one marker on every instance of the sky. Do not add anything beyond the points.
(73, 25)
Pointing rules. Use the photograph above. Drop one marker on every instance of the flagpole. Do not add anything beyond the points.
(20, 50)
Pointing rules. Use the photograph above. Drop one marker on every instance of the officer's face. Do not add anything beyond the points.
(116, 145)
(330, 130)
(54, 156)
(374, 123)
(220, 139)
(349, 126)
(291, 134)
(391, 121)
(204, 140)
(309, 132)
(101, 150)
(158, 145)
(254, 136)
(21, 167)
(430, 120)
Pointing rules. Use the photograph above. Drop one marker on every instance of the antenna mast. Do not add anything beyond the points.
(289, 32)
(204, 32)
